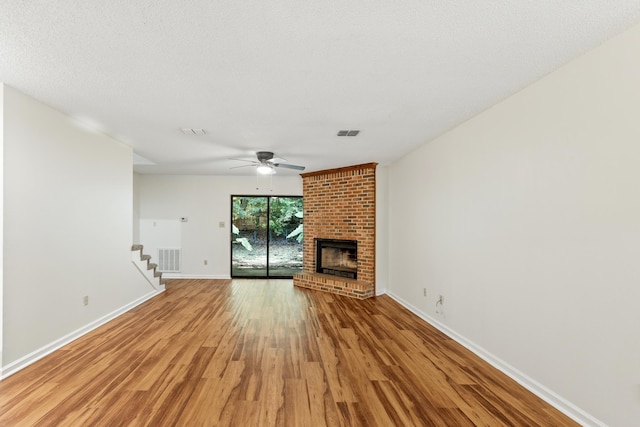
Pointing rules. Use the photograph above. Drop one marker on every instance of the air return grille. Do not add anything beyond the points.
(169, 260)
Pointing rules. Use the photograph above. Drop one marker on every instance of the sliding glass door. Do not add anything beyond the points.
(266, 238)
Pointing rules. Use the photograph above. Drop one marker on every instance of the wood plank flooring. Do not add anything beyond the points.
(264, 353)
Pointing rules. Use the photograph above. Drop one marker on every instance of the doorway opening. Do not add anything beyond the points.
(266, 236)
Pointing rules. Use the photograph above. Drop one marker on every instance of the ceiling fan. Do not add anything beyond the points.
(266, 163)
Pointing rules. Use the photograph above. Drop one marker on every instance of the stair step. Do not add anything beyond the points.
(151, 266)
(157, 274)
(145, 257)
(136, 247)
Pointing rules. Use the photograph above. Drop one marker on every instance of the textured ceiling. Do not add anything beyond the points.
(286, 75)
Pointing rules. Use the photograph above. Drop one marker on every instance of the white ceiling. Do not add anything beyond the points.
(286, 75)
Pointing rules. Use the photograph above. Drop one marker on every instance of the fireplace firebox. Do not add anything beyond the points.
(337, 257)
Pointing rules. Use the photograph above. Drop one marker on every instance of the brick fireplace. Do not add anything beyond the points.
(340, 206)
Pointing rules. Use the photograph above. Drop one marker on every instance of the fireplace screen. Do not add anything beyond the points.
(337, 257)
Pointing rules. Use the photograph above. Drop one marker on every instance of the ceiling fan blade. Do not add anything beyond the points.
(285, 166)
(244, 160)
(278, 160)
(241, 166)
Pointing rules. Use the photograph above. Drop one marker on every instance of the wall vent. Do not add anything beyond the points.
(169, 260)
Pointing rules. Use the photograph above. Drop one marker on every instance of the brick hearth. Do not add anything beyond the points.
(340, 204)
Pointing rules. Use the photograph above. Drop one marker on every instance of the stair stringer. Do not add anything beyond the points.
(147, 268)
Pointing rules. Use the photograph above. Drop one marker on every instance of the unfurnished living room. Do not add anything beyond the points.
(292, 213)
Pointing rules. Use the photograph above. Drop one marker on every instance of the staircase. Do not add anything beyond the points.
(147, 268)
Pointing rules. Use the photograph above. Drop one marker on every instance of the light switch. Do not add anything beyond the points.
(221, 224)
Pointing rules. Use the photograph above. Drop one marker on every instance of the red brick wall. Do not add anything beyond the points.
(340, 204)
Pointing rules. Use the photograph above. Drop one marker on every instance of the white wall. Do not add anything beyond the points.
(205, 201)
(1, 212)
(67, 227)
(527, 219)
(136, 208)
(382, 229)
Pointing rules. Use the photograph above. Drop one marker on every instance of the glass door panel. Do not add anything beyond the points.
(249, 236)
(285, 236)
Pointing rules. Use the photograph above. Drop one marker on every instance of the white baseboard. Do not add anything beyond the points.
(194, 276)
(555, 400)
(36, 355)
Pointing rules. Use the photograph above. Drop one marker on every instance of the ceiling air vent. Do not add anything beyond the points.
(191, 131)
(348, 132)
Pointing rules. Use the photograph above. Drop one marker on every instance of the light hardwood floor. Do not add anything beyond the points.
(264, 353)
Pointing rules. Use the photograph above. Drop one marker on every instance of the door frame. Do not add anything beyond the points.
(268, 197)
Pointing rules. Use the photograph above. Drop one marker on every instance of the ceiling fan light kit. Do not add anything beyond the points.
(265, 170)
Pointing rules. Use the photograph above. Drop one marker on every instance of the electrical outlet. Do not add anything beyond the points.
(425, 292)
(206, 262)
(439, 304)
(85, 300)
